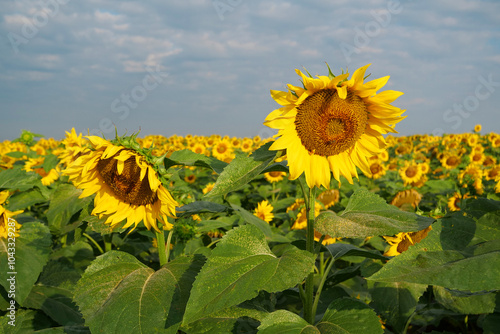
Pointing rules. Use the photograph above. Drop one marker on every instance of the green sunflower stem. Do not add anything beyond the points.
(309, 288)
(160, 240)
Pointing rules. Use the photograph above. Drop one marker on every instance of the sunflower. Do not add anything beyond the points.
(6, 220)
(247, 145)
(332, 124)
(191, 178)
(410, 173)
(329, 197)
(208, 188)
(407, 197)
(274, 176)
(377, 170)
(450, 160)
(264, 211)
(125, 182)
(477, 128)
(477, 158)
(222, 149)
(403, 240)
(493, 173)
(455, 201)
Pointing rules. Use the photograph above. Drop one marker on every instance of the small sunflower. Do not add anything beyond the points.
(329, 197)
(409, 196)
(264, 211)
(274, 176)
(208, 188)
(222, 149)
(455, 201)
(477, 128)
(5, 218)
(450, 160)
(191, 178)
(125, 182)
(332, 124)
(410, 173)
(403, 240)
(377, 170)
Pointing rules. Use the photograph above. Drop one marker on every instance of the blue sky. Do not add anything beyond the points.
(206, 67)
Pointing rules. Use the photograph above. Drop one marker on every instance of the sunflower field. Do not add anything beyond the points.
(198, 234)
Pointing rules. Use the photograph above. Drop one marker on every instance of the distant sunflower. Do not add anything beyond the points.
(264, 211)
(410, 173)
(477, 128)
(455, 201)
(329, 197)
(274, 176)
(125, 183)
(407, 197)
(377, 170)
(5, 215)
(403, 240)
(450, 160)
(222, 149)
(331, 124)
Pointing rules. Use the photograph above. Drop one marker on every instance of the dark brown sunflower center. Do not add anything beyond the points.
(452, 161)
(328, 125)
(127, 186)
(411, 171)
(375, 168)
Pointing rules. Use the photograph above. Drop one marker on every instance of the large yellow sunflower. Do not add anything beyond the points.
(125, 183)
(332, 124)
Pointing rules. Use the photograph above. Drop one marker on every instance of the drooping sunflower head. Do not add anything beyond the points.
(332, 124)
(126, 182)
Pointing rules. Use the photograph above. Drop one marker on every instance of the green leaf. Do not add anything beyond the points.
(65, 202)
(396, 301)
(432, 262)
(478, 207)
(348, 315)
(242, 170)
(466, 302)
(231, 320)
(31, 252)
(22, 200)
(56, 302)
(50, 162)
(200, 207)
(338, 250)
(367, 214)
(239, 267)
(254, 220)
(190, 158)
(18, 179)
(119, 294)
(283, 321)
(209, 225)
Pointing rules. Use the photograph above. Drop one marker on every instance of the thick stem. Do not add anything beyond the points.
(160, 240)
(309, 289)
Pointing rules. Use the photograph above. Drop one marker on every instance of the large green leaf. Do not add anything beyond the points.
(235, 319)
(396, 301)
(65, 202)
(239, 267)
(286, 322)
(254, 220)
(56, 302)
(30, 254)
(22, 200)
(466, 302)
(190, 158)
(201, 207)
(338, 250)
(18, 179)
(367, 214)
(435, 261)
(242, 170)
(348, 315)
(119, 294)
